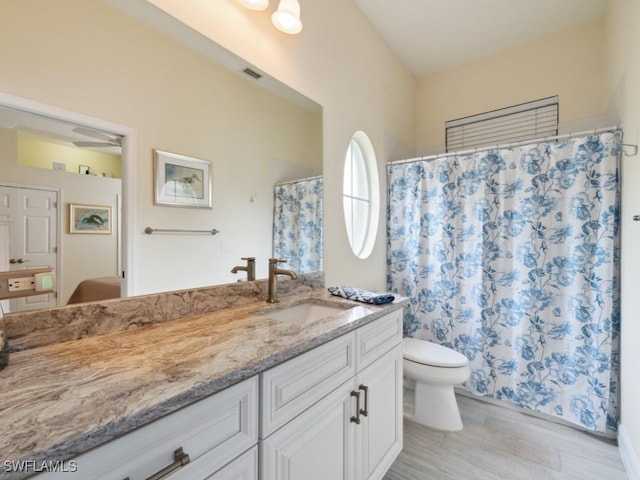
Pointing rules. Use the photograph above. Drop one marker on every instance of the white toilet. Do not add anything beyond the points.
(435, 369)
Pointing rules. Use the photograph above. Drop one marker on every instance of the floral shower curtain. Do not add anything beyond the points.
(511, 257)
(297, 224)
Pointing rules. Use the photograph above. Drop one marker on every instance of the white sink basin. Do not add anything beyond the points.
(305, 311)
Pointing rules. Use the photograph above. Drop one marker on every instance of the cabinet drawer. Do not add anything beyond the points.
(291, 387)
(378, 337)
(212, 431)
(245, 467)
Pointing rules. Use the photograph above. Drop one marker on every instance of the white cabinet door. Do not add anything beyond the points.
(317, 445)
(380, 385)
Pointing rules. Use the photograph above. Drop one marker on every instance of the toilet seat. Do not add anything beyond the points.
(432, 354)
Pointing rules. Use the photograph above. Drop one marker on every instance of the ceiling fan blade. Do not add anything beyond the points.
(112, 140)
(94, 144)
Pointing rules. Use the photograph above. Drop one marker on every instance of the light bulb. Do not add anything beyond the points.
(287, 17)
(255, 4)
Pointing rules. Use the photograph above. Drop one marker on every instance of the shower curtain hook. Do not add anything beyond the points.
(635, 150)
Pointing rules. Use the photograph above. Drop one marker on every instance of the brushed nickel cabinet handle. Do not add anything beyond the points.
(180, 460)
(365, 410)
(356, 419)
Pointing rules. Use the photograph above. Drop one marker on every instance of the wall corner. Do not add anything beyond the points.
(628, 454)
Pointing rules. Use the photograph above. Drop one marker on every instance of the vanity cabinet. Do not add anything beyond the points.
(212, 432)
(355, 431)
(334, 412)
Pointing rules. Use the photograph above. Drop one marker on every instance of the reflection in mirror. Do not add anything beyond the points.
(160, 80)
(297, 223)
(48, 167)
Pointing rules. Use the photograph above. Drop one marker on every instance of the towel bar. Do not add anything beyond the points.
(150, 230)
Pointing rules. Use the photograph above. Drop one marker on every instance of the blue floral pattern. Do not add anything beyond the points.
(511, 257)
(360, 295)
(297, 224)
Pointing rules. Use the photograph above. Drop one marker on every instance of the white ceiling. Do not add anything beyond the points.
(52, 129)
(432, 35)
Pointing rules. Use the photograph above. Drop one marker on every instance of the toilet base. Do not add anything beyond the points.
(436, 407)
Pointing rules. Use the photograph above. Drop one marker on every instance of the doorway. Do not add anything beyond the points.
(33, 236)
(87, 126)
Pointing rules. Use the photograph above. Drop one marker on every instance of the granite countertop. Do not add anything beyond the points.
(60, 400)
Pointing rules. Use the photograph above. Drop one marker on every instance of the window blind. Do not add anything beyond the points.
(522, 122)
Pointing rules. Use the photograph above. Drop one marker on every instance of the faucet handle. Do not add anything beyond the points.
(248, 259)
(277, 260)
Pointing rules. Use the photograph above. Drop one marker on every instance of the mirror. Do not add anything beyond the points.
(177, 92)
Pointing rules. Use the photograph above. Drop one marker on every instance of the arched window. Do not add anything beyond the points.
(360, 195)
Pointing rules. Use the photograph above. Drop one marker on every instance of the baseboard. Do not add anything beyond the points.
(628, 455)
(532, 413)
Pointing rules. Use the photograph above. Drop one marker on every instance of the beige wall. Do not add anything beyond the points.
(84, 56)
(341, 62)
(568, 64)
(622, 82)
(40, 152)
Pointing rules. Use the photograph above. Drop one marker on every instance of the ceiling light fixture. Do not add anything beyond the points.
(255, 4)
(287, 17)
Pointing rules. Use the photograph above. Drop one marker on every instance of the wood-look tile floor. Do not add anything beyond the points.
(499, 443)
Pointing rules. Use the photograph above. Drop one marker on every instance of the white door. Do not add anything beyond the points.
(316, 445)
(381, 428)
(4, 255)
(33, 236)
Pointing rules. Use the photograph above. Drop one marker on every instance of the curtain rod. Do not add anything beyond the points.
(516, 144)
(315, 177)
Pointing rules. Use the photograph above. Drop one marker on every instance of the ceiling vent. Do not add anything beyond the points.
(252, 73)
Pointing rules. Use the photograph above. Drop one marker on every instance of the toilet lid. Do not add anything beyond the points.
(428, 353)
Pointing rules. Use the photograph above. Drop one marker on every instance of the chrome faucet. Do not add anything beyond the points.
(250, 268)
(274, 271)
